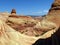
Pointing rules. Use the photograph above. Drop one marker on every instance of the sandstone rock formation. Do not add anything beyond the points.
(13, 12)
(10, 36)
(16, 29)
(54, 12)
(55, 8)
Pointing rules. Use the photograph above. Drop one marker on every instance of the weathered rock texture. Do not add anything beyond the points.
(54, 13)
(55, 8)
(10, 36)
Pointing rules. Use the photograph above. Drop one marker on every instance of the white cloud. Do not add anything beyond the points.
(40, 12)
(45, 11)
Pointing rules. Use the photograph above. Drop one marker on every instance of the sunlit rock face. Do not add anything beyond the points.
(55, 8)
(4, 16)
(54, 12)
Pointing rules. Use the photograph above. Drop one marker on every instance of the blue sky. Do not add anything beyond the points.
(26, 7)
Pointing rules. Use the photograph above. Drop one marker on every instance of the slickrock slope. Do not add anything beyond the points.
(4, 16)
(10, 36)
(28, 25)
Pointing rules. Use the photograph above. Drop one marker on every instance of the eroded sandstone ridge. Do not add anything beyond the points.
(54, 12)
(55, 8)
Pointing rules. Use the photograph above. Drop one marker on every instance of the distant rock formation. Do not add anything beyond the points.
(13, 12)
(55, 8)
